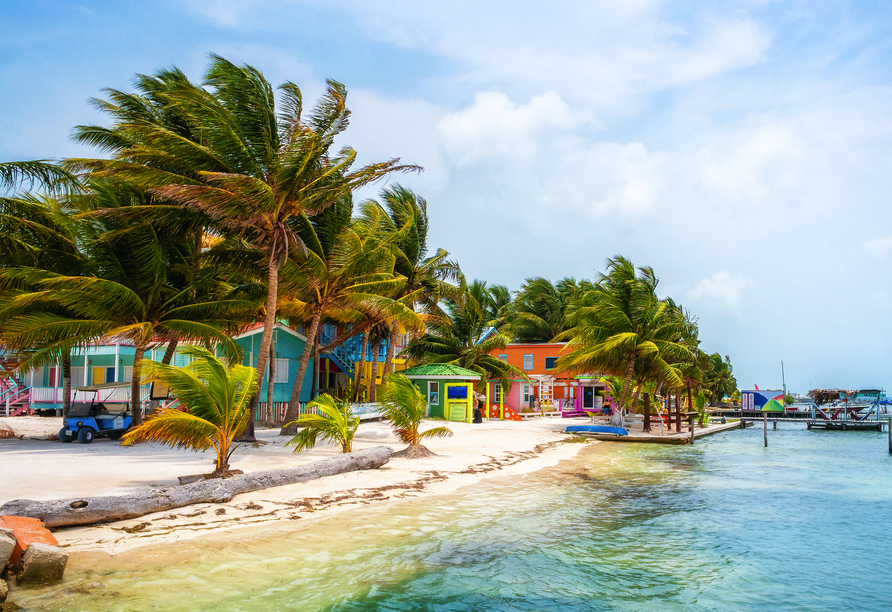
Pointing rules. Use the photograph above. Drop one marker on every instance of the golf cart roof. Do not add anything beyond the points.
(101, 386)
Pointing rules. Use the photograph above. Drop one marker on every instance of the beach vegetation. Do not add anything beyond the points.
(334, 423)
(404, 406)
(625, 323)
(215, 399)
(459, 332)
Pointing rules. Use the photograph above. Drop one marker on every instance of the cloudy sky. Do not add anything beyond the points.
(742, 149)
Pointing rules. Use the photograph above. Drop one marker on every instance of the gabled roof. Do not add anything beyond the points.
(257, 328)
(441, 370)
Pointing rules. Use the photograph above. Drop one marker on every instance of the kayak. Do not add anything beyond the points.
(601, 429)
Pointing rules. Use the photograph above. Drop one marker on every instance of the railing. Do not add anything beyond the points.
(56, 395)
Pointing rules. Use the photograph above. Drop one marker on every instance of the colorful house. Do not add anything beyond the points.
(449, 389)
(547, 389)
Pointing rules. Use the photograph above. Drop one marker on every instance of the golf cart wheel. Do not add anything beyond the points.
(85, 435)
(115, 435)
(65, 435)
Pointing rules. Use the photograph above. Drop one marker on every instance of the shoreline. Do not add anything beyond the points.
(465, 459)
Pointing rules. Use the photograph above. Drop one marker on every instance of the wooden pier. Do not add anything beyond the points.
(846, 425)
(831, 425)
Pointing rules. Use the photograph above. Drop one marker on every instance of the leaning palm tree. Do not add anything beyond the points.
(404, 406)
(255, 168)
(625, 324)
(402, 215)
(336, 424)
(458, 336)
(345, 276)
(216, 399)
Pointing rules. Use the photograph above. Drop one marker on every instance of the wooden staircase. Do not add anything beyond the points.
(15, 397)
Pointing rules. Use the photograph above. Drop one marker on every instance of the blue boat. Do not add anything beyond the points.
(601, 429)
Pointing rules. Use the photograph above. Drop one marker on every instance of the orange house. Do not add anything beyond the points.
(549, 390)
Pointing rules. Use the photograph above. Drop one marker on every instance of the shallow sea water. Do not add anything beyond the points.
(723, 525)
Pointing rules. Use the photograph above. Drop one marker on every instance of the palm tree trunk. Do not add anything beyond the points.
(647, 412)
(135, 405)
(171, 350)
(373, 381)
(269, 322)
(391, 347)
(294, 404)
(269, 383)
(316, 370)
(361, 369)
(66, 382)
(677, 411)
(618, 417)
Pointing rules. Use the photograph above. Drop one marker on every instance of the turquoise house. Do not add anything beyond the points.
(110, 363)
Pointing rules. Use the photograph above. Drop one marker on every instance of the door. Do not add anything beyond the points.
(433, 396)
(588, 397)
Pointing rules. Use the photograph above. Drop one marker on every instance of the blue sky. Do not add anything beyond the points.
(742, 149)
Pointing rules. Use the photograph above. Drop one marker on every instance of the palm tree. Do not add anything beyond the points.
(627, 322)
(216, 398)
(540, 309)
(456, 336)
(346, 276)
(720, 379)
(255, 169)
(403, 215)
(135, 288)
(336, 424)
(404, 406)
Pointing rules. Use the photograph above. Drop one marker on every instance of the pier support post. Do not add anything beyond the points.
(890, 435)
(765, 428)
(774, 424)
(692, 430)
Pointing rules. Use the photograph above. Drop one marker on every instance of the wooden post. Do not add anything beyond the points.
(774, 424)
(765, 427)
(692, 429)
(890, 435)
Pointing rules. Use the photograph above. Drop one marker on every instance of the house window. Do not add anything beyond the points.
(549, 362)
(527, 362)
(128, 374)
(498, 396)
(503, 358)
(527, 393)
(281, 374)
(77, 377)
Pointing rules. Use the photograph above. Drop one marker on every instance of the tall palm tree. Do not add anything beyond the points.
(456, 336)
(216, 398)
(626, 323)
(346, 276)
(403, 215)
(258, 168)
(135, 288)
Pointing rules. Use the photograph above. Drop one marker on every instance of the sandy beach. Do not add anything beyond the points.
(38, 468)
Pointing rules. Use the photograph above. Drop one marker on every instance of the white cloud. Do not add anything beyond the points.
(721, 291)
(493, 126)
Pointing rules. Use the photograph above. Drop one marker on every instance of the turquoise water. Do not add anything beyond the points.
(723, 525)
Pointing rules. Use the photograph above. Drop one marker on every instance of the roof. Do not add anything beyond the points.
(440, 370)
(257, 328)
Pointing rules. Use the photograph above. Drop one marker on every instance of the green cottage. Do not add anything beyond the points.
(449, 389)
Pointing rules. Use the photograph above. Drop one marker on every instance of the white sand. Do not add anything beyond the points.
(35, 468)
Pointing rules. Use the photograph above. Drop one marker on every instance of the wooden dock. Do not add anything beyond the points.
(846, 425)
(675, 438)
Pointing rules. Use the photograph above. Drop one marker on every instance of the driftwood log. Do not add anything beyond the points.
(88, 510)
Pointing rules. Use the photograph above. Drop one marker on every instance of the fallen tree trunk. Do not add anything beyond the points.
(88, 510)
